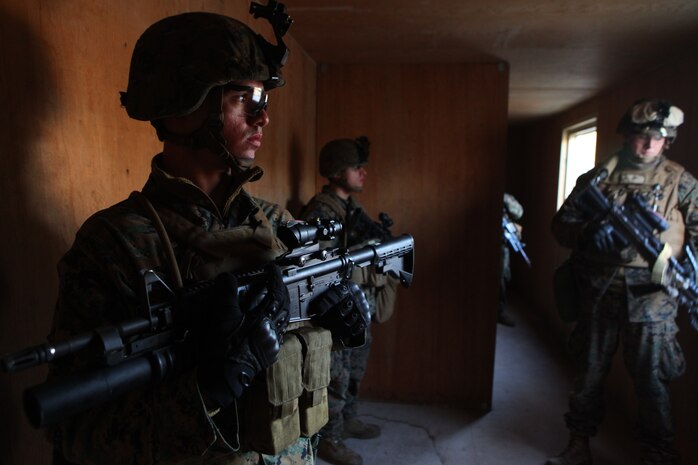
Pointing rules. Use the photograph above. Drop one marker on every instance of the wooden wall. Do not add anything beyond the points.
(436, 166)
(533, 157)
(67, 149)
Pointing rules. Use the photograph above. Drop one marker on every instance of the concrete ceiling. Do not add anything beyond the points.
(559, 52)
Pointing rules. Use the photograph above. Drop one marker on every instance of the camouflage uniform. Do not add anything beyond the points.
(99, 285)
(614, 306)
(348, 365)
(515, 211)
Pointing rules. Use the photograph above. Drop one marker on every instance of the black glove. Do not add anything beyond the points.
(240, 339)
(688, 269)
(343, 310)
(602, 237)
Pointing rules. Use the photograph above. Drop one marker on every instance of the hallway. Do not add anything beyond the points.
(524, 427)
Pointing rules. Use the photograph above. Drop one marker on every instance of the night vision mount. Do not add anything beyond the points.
(280, 21)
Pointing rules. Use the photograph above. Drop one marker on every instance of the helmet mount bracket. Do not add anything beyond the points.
(280, 21)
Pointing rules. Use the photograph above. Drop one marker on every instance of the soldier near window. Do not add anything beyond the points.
(616, 299)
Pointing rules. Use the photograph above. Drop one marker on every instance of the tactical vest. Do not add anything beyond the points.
(659, 186)
(335, 204)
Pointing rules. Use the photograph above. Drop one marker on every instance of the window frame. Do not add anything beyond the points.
(567, 133)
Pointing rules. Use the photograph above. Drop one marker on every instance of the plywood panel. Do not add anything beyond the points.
(68, 149)
(436, 166)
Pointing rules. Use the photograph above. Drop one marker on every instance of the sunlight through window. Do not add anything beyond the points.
(577, 156)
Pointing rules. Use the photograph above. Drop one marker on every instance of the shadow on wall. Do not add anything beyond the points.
(295, 165)
(29, 246)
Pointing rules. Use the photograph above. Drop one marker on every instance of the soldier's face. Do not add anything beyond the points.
(241, 130)
(353, 178)
(646, 147)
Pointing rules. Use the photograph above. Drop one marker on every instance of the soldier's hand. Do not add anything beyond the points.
(603, 238)
(247, 338)
(343, 310)
(259, 346)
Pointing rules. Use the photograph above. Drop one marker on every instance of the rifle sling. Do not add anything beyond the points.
(152, 214)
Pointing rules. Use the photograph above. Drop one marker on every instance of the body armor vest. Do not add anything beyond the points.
(659, 186)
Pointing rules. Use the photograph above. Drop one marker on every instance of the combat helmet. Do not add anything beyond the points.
(339, 154)
(656, 117)
(178, 61)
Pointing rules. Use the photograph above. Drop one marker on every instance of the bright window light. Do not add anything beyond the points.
(577, 156)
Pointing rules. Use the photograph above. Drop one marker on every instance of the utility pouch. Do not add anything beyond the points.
(385, 299)
(270, 417)
(565, 291)
(317, 345)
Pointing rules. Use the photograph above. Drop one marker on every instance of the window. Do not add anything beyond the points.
(577, 156)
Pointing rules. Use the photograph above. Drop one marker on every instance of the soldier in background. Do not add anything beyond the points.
(613, 283)
(343, 162)
(514, 211)
(201, 79)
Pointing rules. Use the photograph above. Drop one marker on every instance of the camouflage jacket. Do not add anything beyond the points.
(99, 285)
(594, 274)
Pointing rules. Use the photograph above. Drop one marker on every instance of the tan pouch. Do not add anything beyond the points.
(368, 276)
(270, 417)
(317, 345)
(385, 299)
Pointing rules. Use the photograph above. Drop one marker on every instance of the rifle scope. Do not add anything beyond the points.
(299, 234)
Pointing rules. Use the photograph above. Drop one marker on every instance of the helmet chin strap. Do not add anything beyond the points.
(209, 135)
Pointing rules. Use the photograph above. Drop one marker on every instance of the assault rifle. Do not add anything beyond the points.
(363, 227)
(143, 351)
(635, 222)
(511, 235)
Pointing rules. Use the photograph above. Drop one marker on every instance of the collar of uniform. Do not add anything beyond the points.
(239, 179)
(165, 184)
(349, 203)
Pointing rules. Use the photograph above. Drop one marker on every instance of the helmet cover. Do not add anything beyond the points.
(339, 154)
(179, 59)
(656, 117)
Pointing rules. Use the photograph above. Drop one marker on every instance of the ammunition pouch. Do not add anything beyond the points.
(291, 400)
(317, 345)
(565, 292)
(269, 420)
(386, 297)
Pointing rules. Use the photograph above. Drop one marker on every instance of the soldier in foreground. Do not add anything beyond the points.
(201, 79)
(615, 295)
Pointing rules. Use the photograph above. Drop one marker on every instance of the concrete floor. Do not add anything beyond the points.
(525, 426)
